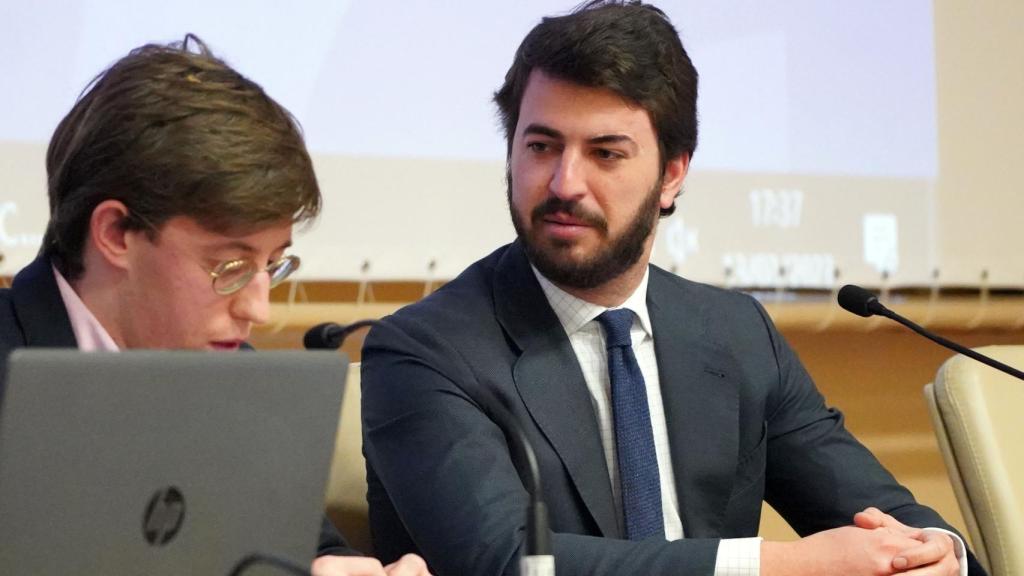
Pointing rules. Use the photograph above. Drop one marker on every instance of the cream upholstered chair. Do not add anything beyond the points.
(346, 488)
(977, 414)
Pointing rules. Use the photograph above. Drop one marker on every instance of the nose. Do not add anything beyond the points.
(252, 302)
(568, 180)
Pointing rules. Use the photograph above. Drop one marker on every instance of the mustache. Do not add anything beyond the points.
(572, 208)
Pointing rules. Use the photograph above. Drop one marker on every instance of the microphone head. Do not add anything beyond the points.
(859, 301)
(322, 337)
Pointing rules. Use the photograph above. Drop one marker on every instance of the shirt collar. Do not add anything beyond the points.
(574, 313)
(89, 333)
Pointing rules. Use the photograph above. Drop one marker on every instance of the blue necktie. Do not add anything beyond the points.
(634, 439)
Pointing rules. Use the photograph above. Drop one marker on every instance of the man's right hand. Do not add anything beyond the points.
(846, 551)
(936, 547)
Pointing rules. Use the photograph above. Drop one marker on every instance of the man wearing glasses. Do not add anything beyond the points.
(174, 183)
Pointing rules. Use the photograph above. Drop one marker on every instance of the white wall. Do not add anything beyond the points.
(856, 138)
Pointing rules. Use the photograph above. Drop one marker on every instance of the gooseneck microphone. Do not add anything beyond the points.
(863, 303)
(537, 558)
(330, 336)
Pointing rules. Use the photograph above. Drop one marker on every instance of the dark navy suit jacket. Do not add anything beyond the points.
(32, 314)
(745, 424)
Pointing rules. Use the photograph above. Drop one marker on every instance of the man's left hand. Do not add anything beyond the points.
(936, 555)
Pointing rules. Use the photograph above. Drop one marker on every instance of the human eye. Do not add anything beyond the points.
(538, 146)
(276, 259)
(608, 154)
(282, 268)
(231, 267)
(231, 275)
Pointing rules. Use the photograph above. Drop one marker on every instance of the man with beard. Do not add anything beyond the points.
(662, 412)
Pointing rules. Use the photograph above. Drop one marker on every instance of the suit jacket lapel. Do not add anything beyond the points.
(701, 396)
(40, 308)
(551, 385)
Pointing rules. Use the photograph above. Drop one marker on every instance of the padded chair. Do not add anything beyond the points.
(346, 488)
(977, 414)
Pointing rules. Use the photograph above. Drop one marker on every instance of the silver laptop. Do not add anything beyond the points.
(156, 463)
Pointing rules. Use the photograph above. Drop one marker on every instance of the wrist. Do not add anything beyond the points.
(782, 559)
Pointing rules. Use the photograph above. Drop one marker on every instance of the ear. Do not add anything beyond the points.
(107, 234)
(672, 178)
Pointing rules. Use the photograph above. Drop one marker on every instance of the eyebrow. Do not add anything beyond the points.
(542, 130)
(242, 246)
(612, 139)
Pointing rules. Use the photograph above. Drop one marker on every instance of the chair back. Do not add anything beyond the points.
(976, 412)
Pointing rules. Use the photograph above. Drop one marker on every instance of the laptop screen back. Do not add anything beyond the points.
(158, 462)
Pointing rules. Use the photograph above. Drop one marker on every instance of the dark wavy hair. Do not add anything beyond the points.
(171, 130)
(624, 46)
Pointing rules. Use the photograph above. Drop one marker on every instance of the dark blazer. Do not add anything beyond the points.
(32, 314)
(745, 424)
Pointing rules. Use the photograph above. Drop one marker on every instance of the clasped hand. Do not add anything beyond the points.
(876, 545)
(932, 553)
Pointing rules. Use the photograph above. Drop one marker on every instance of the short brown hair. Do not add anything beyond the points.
(171, 130)
(627, 47)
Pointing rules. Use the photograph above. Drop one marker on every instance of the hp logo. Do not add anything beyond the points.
(164, 516)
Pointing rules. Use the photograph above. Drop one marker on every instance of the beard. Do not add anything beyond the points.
(617, 255)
